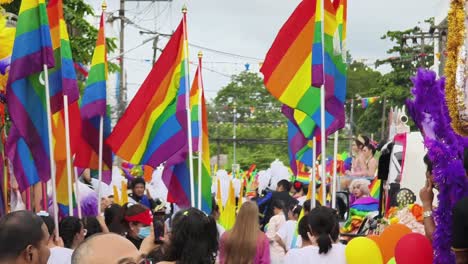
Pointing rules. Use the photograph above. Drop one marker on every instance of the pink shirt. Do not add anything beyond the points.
(262, 254)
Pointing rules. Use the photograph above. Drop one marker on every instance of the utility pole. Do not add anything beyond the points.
(123, 86)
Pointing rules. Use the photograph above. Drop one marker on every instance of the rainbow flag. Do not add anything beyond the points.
(334, 71)
(152, 129)
(28, 147)
(93, 107)
(299, 147)
(62, 82)
(375, 188)
(202, 140)
(293, 67)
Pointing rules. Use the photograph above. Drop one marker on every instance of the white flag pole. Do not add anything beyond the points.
(200, 129)
(101, 139)
(77, 193)
(323, 136)
(335, 162)
(187, 105)
(313, 199)
(68, 151)
(51, 150)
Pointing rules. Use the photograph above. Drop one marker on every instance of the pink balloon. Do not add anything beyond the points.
(414, 248)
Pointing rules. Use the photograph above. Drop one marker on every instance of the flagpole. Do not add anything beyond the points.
(67, 148)
(323, 136)
(77, 193)
(200, 129)
(313, 202)
(51, 150)
(101, 139)
(187, 105)
(335, 162)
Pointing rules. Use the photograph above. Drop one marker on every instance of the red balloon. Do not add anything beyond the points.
(414, 248)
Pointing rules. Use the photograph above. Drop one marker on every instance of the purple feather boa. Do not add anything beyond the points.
(445, 149)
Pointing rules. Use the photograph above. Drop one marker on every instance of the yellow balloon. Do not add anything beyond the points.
(362, 250)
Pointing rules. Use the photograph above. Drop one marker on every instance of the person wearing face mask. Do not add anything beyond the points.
(137, 222)
(23, 239)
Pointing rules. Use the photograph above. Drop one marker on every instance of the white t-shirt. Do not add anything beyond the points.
(310, 254)
(60, 255)
(286, 233)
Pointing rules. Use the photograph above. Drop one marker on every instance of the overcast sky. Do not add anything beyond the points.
(248, 27)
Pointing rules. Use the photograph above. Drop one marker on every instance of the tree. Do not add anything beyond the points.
(260, 126)
(82, 34)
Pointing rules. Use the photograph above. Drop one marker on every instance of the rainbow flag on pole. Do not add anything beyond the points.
(62, 82)
(93, 107)
(198, 106)
(293, 67)
(153, 128)
(29, 136)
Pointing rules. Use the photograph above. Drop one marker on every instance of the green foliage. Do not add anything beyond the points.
(82, 34)
(260, 127)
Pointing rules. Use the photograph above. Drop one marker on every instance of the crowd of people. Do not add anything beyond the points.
(278, 226)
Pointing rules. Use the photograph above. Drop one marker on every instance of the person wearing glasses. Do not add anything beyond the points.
(72, 231)
(137, 221)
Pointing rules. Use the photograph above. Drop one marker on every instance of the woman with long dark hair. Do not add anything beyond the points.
(113, 216)
(193, 238)
(245, 243)
(323, 235)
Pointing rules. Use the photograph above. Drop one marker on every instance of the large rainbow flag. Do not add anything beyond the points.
(28, 143)
(297, 84)
(198, 106)
(62, 82)
(153, 128)
(293, 67)
(93, 107)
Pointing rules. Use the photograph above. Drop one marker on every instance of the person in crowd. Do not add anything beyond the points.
(282, 193)
(277, 252)
(359, 188)
(286, 235)
(298, 190)
(58, 253)
(138, 193)
(323, 235)
(368, 164)
(215, 213)
(72, 231)
(460, 231)
(357, 160)
(24, 239)
(245, 237)
(94, 225)
(137, 221)
(193, 238)
(113, 216)
(107, 248)
(426, 194)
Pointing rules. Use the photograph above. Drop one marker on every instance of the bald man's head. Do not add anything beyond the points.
(106, 248)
